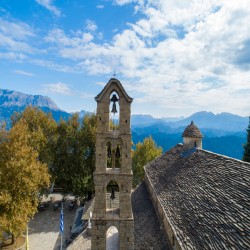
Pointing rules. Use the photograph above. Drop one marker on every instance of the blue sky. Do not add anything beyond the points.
(174, 57)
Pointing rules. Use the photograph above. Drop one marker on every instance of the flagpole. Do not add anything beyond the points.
(27, 238)
(61, 225)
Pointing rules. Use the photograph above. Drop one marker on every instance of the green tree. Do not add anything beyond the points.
(143, 154)
(22, 176)
(75, 155)
(246, 156)
(88, 131)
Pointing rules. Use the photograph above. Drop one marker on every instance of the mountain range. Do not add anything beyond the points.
(223, 133)
(13, 101)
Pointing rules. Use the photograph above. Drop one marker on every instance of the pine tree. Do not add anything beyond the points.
(246, 156)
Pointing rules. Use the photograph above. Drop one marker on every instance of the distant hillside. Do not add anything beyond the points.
(222, 142)
(11, 98)
(208, 120)
(13, 101)
(223, 121)
(82, 113)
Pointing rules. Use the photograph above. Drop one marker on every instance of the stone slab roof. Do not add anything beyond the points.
(147, 232)
(192, 131)
(206, 197)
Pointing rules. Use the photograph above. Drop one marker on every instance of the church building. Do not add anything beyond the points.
(191, 198)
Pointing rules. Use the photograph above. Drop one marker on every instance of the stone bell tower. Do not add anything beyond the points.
(112, 208)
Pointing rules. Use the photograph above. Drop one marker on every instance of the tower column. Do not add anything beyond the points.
(116, 180)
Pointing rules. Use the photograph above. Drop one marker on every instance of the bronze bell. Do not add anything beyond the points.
(109, 152)
(117, 152)
(112, 196)
(114, 99)
(114, 110)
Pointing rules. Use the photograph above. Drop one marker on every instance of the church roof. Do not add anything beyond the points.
(147, 227)
(113, 81)
(192, 131)
(205, 196)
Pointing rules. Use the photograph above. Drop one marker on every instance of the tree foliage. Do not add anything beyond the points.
(143, 154)
(22, 175)
(74, 159)
(42, 130)
(246, 156)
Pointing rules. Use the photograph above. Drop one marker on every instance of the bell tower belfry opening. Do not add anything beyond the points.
(113, 173)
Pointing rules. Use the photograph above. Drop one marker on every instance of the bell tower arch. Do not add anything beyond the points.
(112, 206)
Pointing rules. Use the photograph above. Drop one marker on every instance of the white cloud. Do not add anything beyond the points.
(12, 56)
(57, 88)
(15, 29)
(15, 35)
(91, 25)
(48, 5)
(87, 96)
(24, 73)
(102, 84)
(54, 66)
(100, 6)
(184, 55)
(87, 37)
(14, 45)
(123, 2)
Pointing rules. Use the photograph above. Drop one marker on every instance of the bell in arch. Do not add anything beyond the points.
(109, 152)
(112, 196)
(114, 110)
(114, 99)
(117, 152)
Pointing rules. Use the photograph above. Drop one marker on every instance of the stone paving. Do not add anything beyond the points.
(44, 227)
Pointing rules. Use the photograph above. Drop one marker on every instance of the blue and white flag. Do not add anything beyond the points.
(61, 222)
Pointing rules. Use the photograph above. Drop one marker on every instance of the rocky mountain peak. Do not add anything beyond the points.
(10, 98)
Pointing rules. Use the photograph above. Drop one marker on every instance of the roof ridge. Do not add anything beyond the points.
(223, 156)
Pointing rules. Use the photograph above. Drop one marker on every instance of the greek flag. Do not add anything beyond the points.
(61, 222)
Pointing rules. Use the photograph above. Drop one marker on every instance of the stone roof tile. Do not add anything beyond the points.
(206, 196)
(192, 131)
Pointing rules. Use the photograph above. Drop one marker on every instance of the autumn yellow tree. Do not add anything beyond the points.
(144, 153)
(42, 129)
(22, 175)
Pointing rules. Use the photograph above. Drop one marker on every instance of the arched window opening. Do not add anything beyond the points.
(112, 200)
(112, 239)
(114, 111)
(113, 156)
(109, 155)
(118, 157)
